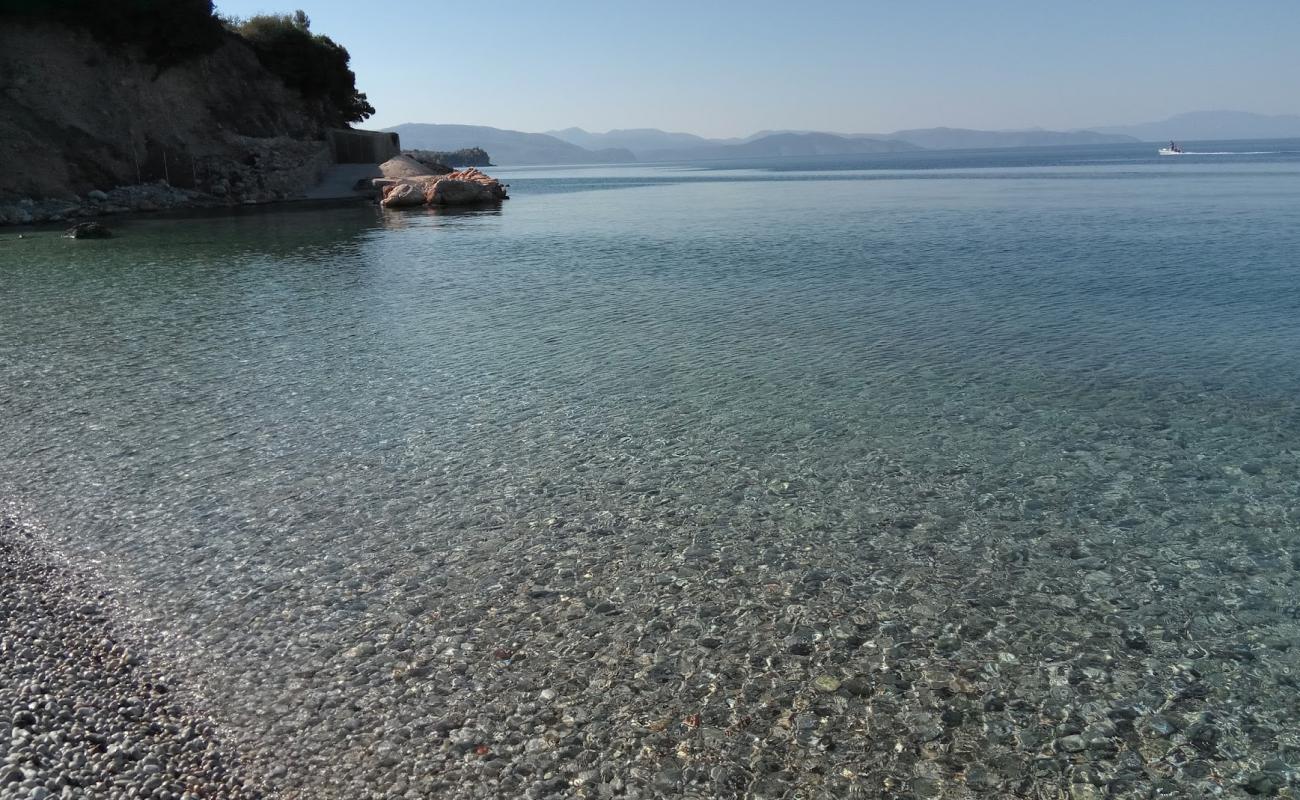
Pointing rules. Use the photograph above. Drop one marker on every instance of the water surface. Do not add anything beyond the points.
(881, 477)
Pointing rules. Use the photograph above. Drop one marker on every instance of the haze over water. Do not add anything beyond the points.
(888, 477)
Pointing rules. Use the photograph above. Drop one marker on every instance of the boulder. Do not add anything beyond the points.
(403, 166)
(402, 195)
(494, 186)
(88, 230)
(462, 188)
(452, 192)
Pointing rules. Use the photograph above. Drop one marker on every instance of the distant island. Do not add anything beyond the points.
(465, 157)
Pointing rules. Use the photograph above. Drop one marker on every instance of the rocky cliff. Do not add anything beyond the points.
(79, 118)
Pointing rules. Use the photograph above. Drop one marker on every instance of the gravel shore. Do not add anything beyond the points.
(1024, 629)
(84, 712)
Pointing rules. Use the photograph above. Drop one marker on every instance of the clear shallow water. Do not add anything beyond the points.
(605, 481)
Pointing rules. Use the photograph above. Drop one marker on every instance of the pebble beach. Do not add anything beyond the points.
(84, 712)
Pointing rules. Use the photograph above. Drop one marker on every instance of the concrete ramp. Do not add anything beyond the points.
(339, 180)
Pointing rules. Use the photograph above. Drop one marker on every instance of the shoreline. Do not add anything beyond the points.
(85, 708)
(187, 212)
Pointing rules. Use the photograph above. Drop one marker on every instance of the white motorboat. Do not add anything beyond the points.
(1172, 150)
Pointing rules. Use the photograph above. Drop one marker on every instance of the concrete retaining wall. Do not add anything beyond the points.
(363, 147)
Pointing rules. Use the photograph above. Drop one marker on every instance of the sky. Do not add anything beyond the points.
(733, 67)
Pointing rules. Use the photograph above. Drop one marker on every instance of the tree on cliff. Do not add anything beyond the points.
(313, 64)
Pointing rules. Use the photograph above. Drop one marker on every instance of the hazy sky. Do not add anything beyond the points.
(724, 67)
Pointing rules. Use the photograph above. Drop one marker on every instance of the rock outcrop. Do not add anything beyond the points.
(464, 187)
(123, 199)
(403, 195)
(459, 193)
(405, 166)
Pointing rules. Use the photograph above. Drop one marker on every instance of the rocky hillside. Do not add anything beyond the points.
(80, 115)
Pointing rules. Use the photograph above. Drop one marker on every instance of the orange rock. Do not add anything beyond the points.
(402, 195)
(460, 188)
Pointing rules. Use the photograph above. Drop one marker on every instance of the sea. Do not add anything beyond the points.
(931, 474)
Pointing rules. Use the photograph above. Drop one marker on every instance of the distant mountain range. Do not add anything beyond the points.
(781, 144)
(964, 139)
(577, 146)
(656, 145)
(1212, 125)
(638, 140)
